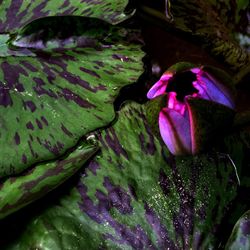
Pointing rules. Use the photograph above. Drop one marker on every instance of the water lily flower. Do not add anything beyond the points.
(197, 106)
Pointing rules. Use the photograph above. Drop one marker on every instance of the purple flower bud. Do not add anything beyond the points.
(197, 104)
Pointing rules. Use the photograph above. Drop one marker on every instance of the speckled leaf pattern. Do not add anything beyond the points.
(15, 14)
(52, 98)
(136, 195)
(240, 237)
(6, 51)
(17, 192)
(216, 22)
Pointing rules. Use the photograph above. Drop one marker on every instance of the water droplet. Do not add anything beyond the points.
(91, 138)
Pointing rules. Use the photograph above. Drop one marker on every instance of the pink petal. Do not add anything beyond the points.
(173, 103)
(215, 91)
(195, 70)
(175, 131)
(159, 88)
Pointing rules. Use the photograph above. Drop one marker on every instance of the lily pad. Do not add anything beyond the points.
(17, 192)
(136, 195)
(15, 14)
(51, 98)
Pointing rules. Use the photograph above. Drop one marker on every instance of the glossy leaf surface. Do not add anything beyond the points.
(17, 192)
(218, 26)
(15, 14)
(216, 23)
(136, 195)
(49, 99)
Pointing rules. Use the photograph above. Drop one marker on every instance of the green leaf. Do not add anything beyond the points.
(15, 14)
(17, 192)
(136, 195)
(215, 22)
(214, 25)
(50, 99)
(240, 237)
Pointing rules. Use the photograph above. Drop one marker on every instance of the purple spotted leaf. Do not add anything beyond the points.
(50, 99)
(240, 237)
(59, 33)
(15, 14)
(221, 27)
(18, 191)
(135, 195)
(6, 51)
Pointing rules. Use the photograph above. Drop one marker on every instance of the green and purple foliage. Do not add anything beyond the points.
(17, 192)
(135, 195)
(240, 237)
(52, 96)
(15, 14)
(113, 182)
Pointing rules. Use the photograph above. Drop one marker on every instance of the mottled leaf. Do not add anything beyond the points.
(5, 51)
(240, 237)
(49, 99)
(215, 25)
(15, 14)
(17, 192)
(215, 22)
(136, 195)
